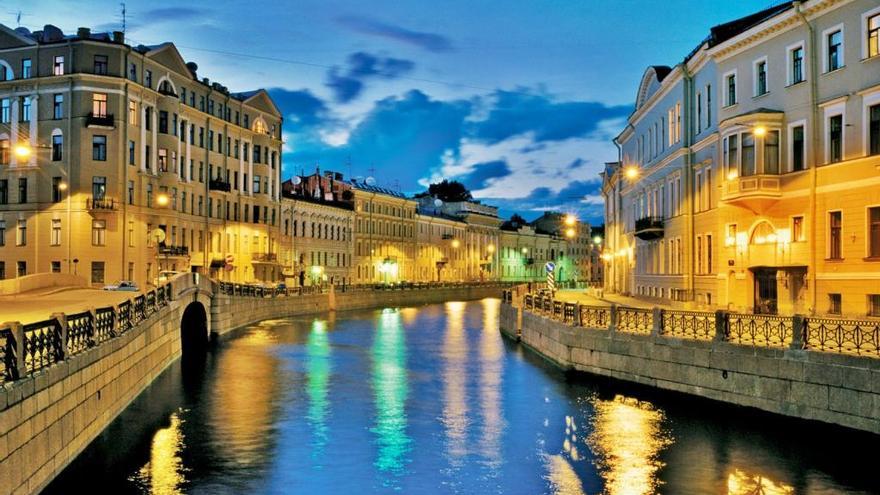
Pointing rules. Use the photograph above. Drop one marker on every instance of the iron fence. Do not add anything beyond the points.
(860, 337)
(759, 330)
(635, 320)
(79, 332)
(688, 324)
(595, 316)
(42, 344)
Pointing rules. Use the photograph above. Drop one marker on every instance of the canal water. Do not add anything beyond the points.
(433, 400)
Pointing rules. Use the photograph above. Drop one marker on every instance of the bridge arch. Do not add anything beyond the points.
(194, 331)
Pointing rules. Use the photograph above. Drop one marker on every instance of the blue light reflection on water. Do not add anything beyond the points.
(434, 400)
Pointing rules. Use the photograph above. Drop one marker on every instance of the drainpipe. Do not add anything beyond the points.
(814, 145)
(689, 175)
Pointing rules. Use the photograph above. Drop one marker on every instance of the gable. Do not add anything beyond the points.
(10, 39)
(167, 55)
(262, 101)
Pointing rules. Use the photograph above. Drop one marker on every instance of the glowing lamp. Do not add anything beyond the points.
(569, 233)
(732, 175)
(162, 200)
(62, 186)
(597, 239)
(760, 131)
(631, 172)
(570, 220)
(490, 248)
(456, 243)
(23, 151)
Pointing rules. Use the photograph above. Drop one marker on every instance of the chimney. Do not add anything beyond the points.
(83, 33)
(118, 37)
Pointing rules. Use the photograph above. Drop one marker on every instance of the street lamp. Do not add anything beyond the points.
(23, 151)
(456, 243)
(570, 220)
(569, 233)
(162, 200)
(597, 240)
(631, 172)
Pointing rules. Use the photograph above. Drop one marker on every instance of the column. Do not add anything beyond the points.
(250, 159)
(142, 122)
(35, 114)
(188, 130)
(154, 121)
(242, 185)
(13, 135)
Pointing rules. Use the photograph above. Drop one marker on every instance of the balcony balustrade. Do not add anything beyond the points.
(219, 185)
(98, 120)
(101, 204)
(755, 192)
(649, 228)
(174, 250)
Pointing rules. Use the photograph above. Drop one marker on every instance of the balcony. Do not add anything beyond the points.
(101, 121)
(649, 228)
(174, 251)
(101, 204)
(219, 185)
(264, 258)
(755, 192)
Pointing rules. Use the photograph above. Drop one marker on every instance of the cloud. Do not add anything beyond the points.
(482, 174)
(347, 84)
(300, 107)
(427, 41)
(148, 18)
(517, 113)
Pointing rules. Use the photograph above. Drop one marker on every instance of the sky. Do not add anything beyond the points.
(519, 100)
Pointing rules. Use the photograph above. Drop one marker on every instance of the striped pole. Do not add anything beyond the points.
(550, 267)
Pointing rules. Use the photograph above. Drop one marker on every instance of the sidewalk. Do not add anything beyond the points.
(38, 305)
(585, 296)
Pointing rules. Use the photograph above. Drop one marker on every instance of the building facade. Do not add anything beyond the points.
(440, 257)
(118, 162)
(748, 176)
(385, 234)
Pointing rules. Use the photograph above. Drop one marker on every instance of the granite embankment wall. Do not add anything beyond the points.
(814, 385)
(50, 412)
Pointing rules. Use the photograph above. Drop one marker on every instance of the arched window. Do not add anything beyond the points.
(763, 233)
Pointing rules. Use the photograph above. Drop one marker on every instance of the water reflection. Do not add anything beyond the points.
(742, 483)
(318, 369)
(455, 406)
(491, 371)
(627, 438)
(390, 390)
(164, 474)
(563, 478)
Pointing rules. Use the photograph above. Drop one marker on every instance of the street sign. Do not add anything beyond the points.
(550, 266)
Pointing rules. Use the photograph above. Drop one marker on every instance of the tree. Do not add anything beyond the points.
(450, 191)
(517, 219)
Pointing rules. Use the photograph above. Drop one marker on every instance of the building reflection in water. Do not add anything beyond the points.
(562, 477)
(390, 389)
(242, 408)
(742, 483)
(627, 437)
(164, 474)
(455, 406)
(318, 369)
(491, 372)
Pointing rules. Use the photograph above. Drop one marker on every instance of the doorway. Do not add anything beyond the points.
(765, 291)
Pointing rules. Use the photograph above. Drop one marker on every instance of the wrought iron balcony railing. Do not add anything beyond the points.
(174, 250)
(649, 228)
(219, 185)
(99, 120)
(264, 257)
(108, 204)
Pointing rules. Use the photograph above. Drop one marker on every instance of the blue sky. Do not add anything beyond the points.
(517, 99)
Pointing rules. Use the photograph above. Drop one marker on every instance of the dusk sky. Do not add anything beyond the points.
(518, 100)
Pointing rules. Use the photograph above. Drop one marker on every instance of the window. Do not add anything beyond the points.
(58, 66)
(163, 122)
(56, 189)
(55, 238)
(873, 304)
(148, 78)
(797, 229)
(56, 267)
(730, 81)
(4, 191)
(132, 112)
(99, 148)
(872, 25)
(5, 111)
(163, 160)
(22, 189)
(99, 188)
(708, 105)
(101, 65)
(99, 104)
(57, 147)
(26, 109)
(2, 234)
(26, 68)
(133, 71)
(874, 130)
(4, 152)
(796, 64)
(834, 237)
(132, 151)
(21, 233)
(99, 232)
(21, 268)
(834, 304)
(834, 50)
(771, 152)
(97, 272)
(874, 232)
(835, 138)
(58, 106)
(760, 69)
(748, 155)
(798, 151)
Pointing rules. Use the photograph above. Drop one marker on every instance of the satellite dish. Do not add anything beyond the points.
(297, 180)
(438, 202)
(370, 181)
(158, 234)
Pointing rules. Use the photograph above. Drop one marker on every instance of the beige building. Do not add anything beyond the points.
(385, 235)
(117, 162)
(440, 256)
(317, 230)
(574, 264)
(524, 252)
(748, 176)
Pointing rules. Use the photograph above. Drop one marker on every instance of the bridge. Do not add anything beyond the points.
(66, 378)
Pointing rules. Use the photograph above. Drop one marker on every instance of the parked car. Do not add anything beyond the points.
(123, 285)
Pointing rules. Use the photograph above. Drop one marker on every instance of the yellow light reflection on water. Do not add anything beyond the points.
(491, 373)
(562, 477)
(164, 473)
(742, 483)
(627, 438)
(455, 408)
(390, 389)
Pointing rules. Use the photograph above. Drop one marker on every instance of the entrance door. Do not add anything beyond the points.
(765, 291)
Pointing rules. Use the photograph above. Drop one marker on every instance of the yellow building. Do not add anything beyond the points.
(385, 234)
(749, 175)
(441, 256)
(119, 161)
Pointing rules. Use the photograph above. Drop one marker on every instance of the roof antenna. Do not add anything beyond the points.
(18, 15)
(123, 17)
